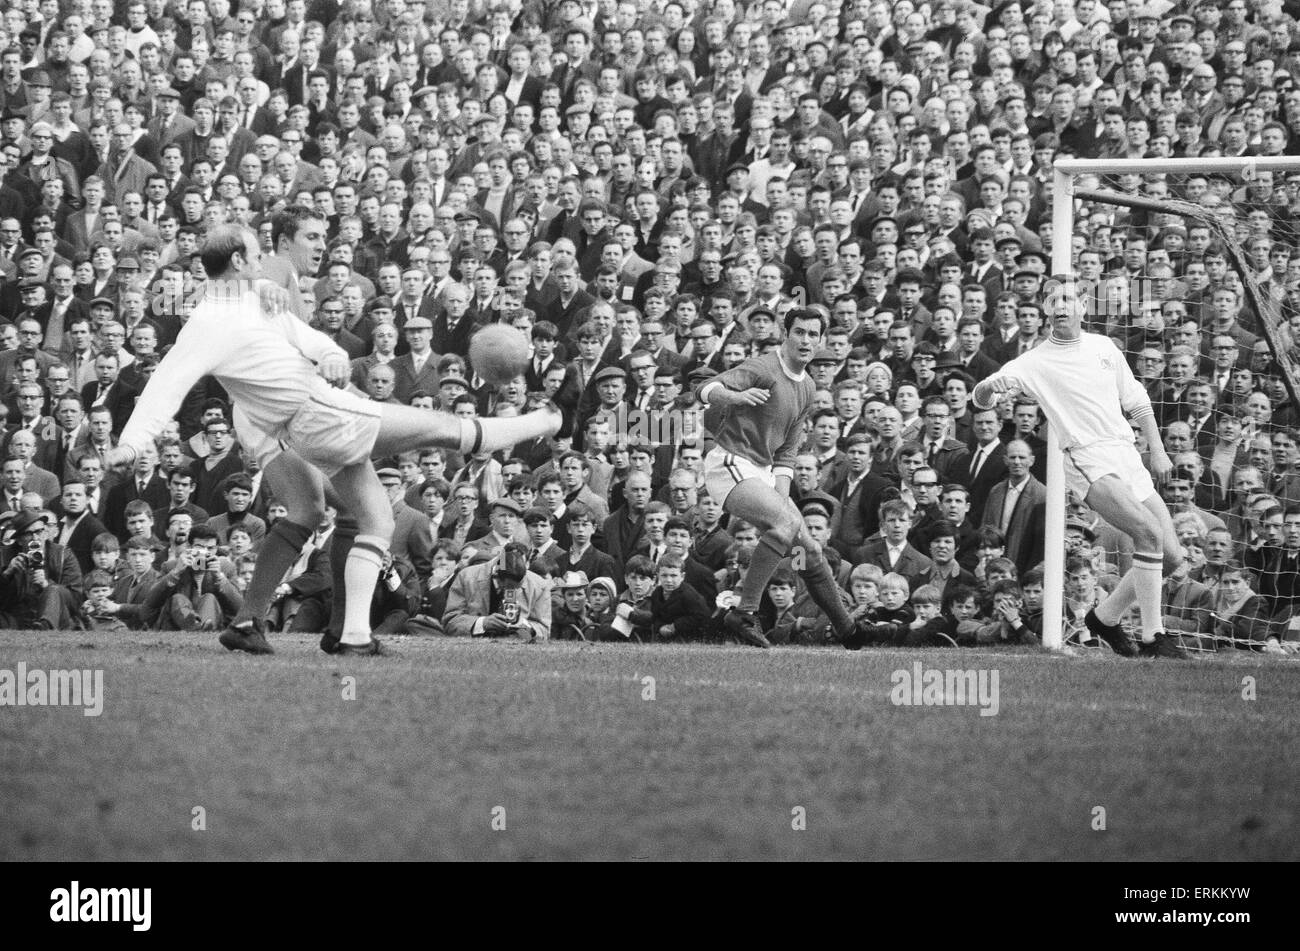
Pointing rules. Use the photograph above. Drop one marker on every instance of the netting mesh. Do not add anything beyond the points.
(1196, 277)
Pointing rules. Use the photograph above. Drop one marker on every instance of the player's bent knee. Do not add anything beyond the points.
(787, 529)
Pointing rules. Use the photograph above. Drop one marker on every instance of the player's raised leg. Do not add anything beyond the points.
(406, 429)
(1155, 547)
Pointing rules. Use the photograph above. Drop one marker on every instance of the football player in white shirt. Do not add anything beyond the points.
(1085, 389)
(280, 375)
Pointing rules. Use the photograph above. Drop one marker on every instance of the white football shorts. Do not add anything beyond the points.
(723, 471)
(334, 429)
(1084, 465)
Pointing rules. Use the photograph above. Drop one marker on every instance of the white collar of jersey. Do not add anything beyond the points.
(790, 373)
(1054, 339)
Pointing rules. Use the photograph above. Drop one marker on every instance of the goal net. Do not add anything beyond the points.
(1192, 267)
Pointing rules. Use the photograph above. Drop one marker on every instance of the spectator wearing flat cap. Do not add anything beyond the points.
(505, 516)
(40, 580)
(417, 369)
(412, 534)
(169, 122)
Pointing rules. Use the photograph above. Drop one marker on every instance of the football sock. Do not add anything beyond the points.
(471, 436)
(826, 593)
(360, 574)
(489, 435)
(345, 533)
(280, 549)
(762, 562)
(1147, 571)
(1112, 610)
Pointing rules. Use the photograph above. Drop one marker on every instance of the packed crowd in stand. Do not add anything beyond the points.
(645, 191)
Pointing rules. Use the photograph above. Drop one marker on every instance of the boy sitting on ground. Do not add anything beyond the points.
(601, 595)
(789, 627)
(98, 610)
(890, 619)
(634, 604)
(943, 619)
(678, 612)
(1011, 621)
(569, 619)
(864, 587)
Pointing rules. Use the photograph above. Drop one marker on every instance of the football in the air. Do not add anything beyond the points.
(498, 353)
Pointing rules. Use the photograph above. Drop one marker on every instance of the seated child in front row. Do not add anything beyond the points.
(602, 594)
(889, 620)
(678, 612)
(943, 618)
(569, 619)
(634, 603)
(789, 627)
(98, 608)
(1013, 621)
(864, 586)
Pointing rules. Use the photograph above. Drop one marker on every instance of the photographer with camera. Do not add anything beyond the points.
(500, 598)
(40, 581)
(197, 591)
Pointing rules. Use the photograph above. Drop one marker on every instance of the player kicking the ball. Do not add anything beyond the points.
(281, 375)
(1085, 388)
(756, 412)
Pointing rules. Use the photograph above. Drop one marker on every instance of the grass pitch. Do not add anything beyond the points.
(716, 766)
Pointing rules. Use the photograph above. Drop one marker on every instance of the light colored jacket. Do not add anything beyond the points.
(468, 602)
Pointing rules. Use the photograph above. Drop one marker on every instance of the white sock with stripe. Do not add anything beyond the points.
(360, 575)
(1147, 574)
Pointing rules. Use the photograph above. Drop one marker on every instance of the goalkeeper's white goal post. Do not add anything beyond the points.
(1080, 181)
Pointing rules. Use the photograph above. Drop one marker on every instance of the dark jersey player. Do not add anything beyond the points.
(757, 411)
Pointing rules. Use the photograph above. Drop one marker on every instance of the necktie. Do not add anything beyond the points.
(980, 454)
(15, 503)
(1008, 508)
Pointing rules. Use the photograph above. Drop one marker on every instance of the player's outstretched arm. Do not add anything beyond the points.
(717, 393)
(188, 361)
(992, 390)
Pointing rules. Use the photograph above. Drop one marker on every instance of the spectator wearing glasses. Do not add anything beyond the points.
(224, 459)
(42, 164)
(329, 321)
(30, 337)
